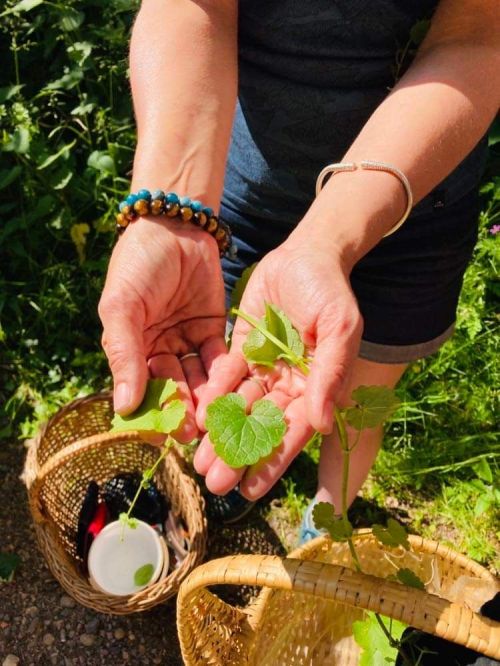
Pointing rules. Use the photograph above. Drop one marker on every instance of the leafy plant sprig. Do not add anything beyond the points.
(272, 338)
(160, 411)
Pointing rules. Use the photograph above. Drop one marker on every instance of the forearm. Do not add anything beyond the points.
(426, 126)
(183, 65)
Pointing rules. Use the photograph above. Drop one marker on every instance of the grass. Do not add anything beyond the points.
(67, 138)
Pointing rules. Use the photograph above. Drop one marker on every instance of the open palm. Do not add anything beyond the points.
(311, 287)
(163, 298)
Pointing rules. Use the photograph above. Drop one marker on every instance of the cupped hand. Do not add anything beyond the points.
(308, 281)
(163, 298)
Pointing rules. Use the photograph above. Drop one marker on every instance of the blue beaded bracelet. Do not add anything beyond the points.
(155, 203)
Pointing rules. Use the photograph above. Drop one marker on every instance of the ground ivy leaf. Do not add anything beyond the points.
(324, 518)
(153, 414)
(409, 578)
(374, 404)
(241, 439)
(127, 521)
(8, 564)
(393, 535)
(143, 575)
(258, 349)
(376, 649)
(240, 286)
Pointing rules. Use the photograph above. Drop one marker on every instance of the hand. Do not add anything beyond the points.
(163, 297)
(308, 281)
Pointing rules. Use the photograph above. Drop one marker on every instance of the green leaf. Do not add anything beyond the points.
(374, 404)
(19, 141)
(240, 286)
(8, 176)
(324, 518)
(70, 79)
(419, 31)
(483, 470)
(376, 649)
(8, 564)
(241, 439)
(262, 351)
(483, 503)
(393, 535)
(71, 19)
(143, 575)
(410, 578)
(62, 152)
(7, 92)
(101, 161)
(23, 6)
(156, 412)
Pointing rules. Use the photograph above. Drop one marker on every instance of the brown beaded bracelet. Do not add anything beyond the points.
(158, 203)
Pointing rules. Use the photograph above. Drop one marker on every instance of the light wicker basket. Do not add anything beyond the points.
(304, 613)
(72, 449)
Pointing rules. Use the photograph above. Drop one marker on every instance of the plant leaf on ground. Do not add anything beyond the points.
(241, 439)
(156, 412)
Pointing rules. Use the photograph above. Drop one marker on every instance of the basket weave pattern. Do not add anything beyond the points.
(72, 449)
(304, 613)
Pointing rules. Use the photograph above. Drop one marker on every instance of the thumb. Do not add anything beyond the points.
(123, 344)
(337, 346)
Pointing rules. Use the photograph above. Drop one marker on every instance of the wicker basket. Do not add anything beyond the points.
(75, 447)
(303, 615)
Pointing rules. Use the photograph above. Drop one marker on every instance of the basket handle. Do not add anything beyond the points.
(101, 440)
(417, 608)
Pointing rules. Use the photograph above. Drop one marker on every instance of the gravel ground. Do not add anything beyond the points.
(41, 625)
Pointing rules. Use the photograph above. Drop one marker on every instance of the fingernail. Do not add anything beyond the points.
(121, 397)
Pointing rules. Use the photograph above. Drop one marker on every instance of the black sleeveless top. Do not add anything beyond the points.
(311, 72)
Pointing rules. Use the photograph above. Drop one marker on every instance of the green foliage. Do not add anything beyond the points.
(241, 439)
(143, 575)
(67, 138)
(127, 521)
(374, 405)
(339, 529)
(157, 412)
(8, 564)
(376, 649)
(393, 535)
(272, 338)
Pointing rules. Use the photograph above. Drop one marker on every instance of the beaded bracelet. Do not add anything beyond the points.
(158, 203)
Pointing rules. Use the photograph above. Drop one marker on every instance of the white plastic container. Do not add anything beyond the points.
(117, 553)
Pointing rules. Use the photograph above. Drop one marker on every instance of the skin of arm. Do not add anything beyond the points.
(164, 293)
(183, 73)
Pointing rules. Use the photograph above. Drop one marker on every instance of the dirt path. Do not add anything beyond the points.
(41, 625)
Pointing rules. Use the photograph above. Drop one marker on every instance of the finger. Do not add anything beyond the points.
(336, 349)
(261, 477)
(195, 375)
(123, 345)
(226, 372)
(168, 366)
(204, 456)
(210, 351)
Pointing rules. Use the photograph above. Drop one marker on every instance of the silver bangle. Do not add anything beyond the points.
(374, 166)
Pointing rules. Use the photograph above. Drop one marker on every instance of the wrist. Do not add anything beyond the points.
(353, 212)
